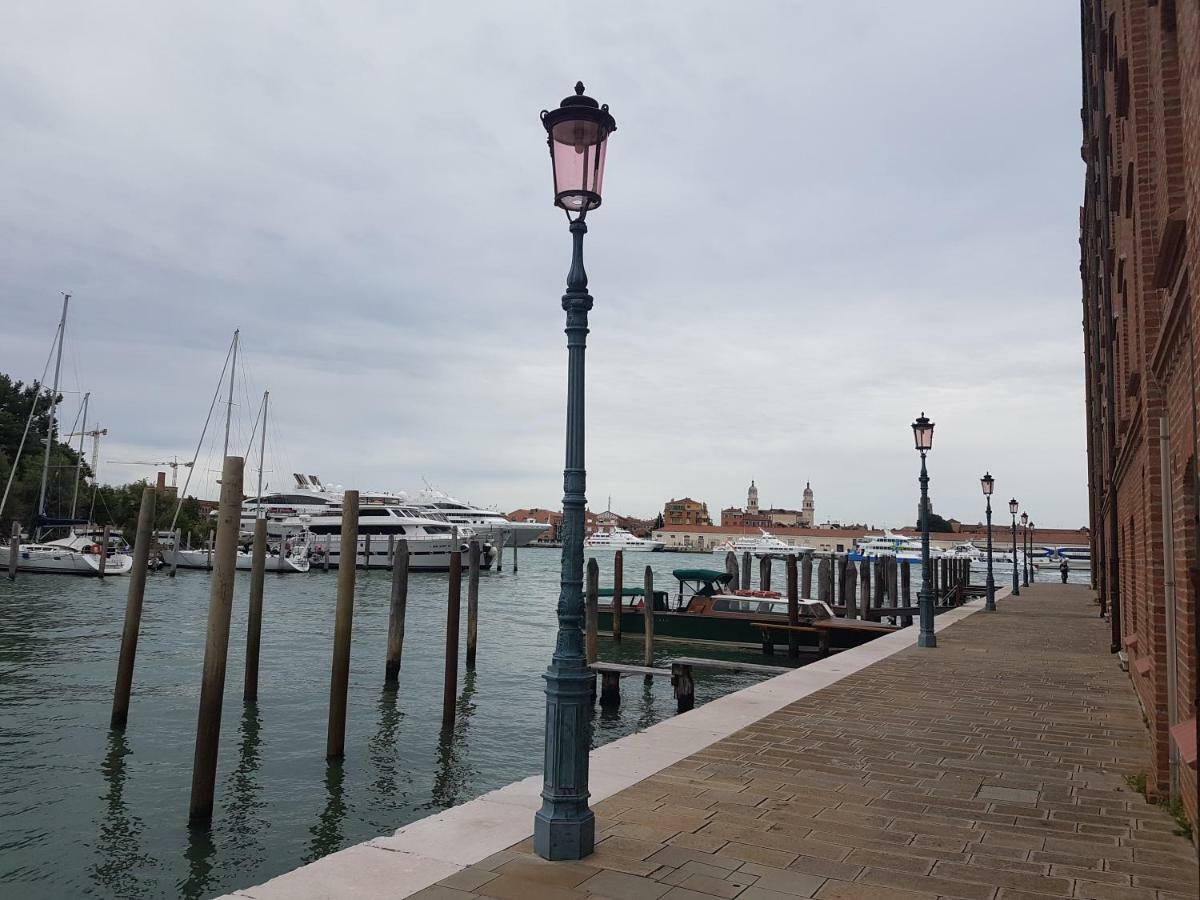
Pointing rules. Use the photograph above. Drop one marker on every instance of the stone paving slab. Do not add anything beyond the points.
(989, 768)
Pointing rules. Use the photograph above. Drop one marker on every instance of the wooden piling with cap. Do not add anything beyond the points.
(343, 620)
(133, 610)
(258, 568)
(453, 602)
(216, 646)
(397, 614)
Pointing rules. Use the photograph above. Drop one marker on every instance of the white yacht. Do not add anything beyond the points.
(761, 545)
(905, 549)
(291, 556)
(616, 538)
(966, 550)
(59, 558)
(487, 523)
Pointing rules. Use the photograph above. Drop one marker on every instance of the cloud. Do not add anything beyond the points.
(819, 220)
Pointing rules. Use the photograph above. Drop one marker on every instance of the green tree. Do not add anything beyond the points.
(937, 524)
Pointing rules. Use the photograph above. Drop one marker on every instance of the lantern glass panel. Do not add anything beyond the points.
(923, 433)
(578, 147)
(1013, 506)
(988, 483)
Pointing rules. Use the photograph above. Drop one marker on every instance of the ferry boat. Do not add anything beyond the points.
(764, 544)
(489, 524)
(1077, 556)
(705, 609)
(905, 549)
(617, 538)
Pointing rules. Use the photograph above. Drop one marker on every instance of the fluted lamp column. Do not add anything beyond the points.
(988, 484)
(1013, 507)
(923, 438)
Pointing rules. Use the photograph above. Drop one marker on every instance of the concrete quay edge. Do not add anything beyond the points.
(428, 850)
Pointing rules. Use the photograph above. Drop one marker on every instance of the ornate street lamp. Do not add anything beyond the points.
(565, 828)
(1029, 554)
(1013, 506)
(988, 483)
(1024, 552)
(923, 437)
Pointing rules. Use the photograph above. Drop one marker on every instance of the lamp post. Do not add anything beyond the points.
(1013, 506)
(989, 483)
(565, 828)
(1024, 553)
(1029, 554)
(923, 437)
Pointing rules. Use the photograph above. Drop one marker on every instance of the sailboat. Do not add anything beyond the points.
(291, 554)
(73, 555)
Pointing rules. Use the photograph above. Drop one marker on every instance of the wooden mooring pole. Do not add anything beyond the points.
(851, 590)
(216, 645)
(473, 600)
(793, 604)
(343, 620)
(731, 567)
(366, 550)
(865, 583)
(905, 590)
(842, 564)
(14, 551)
(591, 611)
(806, 567)
(745, 570)
(648, 614)
(764, 574)
(104, 549)
(258, 568)
(176, 546)
(133, 611)
(399, 609)
(824, 570)
(514, 554)
(453, 602)
(618, 602)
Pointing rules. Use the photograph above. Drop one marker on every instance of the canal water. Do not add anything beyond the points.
(87, 812)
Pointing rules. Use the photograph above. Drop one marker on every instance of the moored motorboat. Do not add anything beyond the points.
(764, 544)
(56, 559)
(617, 538)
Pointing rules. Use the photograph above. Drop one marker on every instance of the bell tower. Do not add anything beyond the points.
(752, 499)
(808, 512)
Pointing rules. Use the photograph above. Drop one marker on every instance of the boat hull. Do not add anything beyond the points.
(427, 555)
(199, 559)
(65, 562)
(686, 626)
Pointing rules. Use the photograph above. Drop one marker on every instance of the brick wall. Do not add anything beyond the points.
(1139, 240)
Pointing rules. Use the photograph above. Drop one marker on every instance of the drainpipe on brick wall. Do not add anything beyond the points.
(1168, 505)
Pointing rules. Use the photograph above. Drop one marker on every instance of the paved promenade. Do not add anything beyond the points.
(991, 768)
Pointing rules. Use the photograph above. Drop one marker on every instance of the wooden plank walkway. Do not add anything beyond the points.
(991, 768)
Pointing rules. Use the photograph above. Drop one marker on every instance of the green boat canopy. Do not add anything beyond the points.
(701, 575)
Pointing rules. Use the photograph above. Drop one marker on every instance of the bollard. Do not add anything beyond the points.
(745, 570)
(824, 568)
(343, 618)
(14, 551)
(592, 614)
(618, 602)
(133, 611)
(395, 642)
(864, 578)
(806, 566)
(258, 568)
(764, 574)
(793, 605)
(648, 614)
(216, 645)
(453, 601)
(472, 601)
(104, 550)
(852, 590)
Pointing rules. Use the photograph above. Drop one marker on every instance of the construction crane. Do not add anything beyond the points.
(173, 462)
(95, 434)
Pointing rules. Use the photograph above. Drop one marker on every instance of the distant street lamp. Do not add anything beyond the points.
(1029, 554)
(565, 828)
(1024, 551)
(1013, 506)
(923, 437)
(989, 483)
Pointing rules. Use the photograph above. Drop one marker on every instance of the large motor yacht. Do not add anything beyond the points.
(764, 544)
(487, 523)
(616, 538)
(904, 549)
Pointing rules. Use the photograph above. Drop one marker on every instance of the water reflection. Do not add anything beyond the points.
(382, 747)
(648, 715)
(455, 774)
(120, 849)
(327, 832)
(199, 857)
(245, 803)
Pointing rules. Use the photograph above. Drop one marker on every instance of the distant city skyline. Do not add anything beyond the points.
(817, 223)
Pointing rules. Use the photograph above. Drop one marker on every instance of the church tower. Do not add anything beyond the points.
(752, 499)
(808, 513)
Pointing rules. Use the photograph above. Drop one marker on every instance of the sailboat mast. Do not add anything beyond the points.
(262, 449)
(229, 409)
(62, 332)
(79, 459)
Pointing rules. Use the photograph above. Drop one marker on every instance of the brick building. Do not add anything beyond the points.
(1139, 244)
(686, 512)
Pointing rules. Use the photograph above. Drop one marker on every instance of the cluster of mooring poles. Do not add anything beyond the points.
(216, 647)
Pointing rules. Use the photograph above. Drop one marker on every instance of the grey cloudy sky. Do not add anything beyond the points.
(819, 219)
